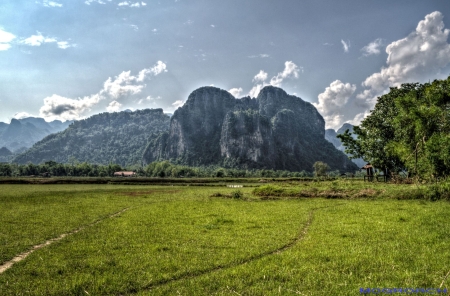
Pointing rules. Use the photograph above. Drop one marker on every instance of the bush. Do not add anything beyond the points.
(237, 194)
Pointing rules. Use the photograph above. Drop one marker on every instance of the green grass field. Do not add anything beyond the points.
(187, 240)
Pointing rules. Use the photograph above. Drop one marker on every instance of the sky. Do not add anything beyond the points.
(70, 59)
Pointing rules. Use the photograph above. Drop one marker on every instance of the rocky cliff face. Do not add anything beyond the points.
(273, 131)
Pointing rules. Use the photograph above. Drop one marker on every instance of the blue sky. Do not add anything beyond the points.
(69, 59)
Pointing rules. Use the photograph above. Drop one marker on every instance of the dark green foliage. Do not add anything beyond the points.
(101, 139)
(409, 129)
(237, 194)
(168, 169)
(58, 169)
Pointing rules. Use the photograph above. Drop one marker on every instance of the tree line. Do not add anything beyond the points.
(156, 169)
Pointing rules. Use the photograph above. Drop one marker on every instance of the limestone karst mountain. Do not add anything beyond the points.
(273, 131)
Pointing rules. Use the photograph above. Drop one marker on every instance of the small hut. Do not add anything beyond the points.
(369, 172)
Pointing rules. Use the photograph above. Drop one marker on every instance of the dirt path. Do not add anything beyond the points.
(5, 266)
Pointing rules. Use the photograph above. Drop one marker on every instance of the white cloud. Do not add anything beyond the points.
(5, 39)
(126, 84)
(345, 45)
(4, 46)
(373, 47)
(177, 104)
(261, 55)
(253, 93)
(39, 39)
(58, 107)
(65, 44)
(48, 3)
(21, 115)
(114, 106)
(290, 70)
(149, 99)
(236, 92)
(122, 86)
(358, 118)
(88, 2)
(260, 77)
(213, 26)
(332, 100)
(130, 4)
(417, 58)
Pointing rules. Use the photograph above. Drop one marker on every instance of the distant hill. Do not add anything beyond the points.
(331, 136)
(119, 137)
(23, 133)
(273, 131)
(5, 154)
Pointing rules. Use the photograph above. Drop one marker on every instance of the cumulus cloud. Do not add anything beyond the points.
(345, 45)
(372, 48)
(359, 117)
(114, 89)
(5, 39)
(236, 92)
(291, 70)
(126, 84)
(58, 107)
(418, 57)
(260, 77)
(332, 100)
(114, 106)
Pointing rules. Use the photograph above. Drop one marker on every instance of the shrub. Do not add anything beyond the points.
(237, 194)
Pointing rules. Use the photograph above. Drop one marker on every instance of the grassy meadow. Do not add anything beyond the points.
(293, 238)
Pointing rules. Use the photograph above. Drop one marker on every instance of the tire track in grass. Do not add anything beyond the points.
(8, 264)
(194, 274)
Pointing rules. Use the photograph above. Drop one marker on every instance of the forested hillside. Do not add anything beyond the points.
(104, 138)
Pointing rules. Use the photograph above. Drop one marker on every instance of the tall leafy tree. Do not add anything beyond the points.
(407, 130)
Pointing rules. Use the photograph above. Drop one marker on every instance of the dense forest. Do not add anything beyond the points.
(100, 139)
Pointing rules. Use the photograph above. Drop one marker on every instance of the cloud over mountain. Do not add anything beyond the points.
(419, 56)
(114, 89)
